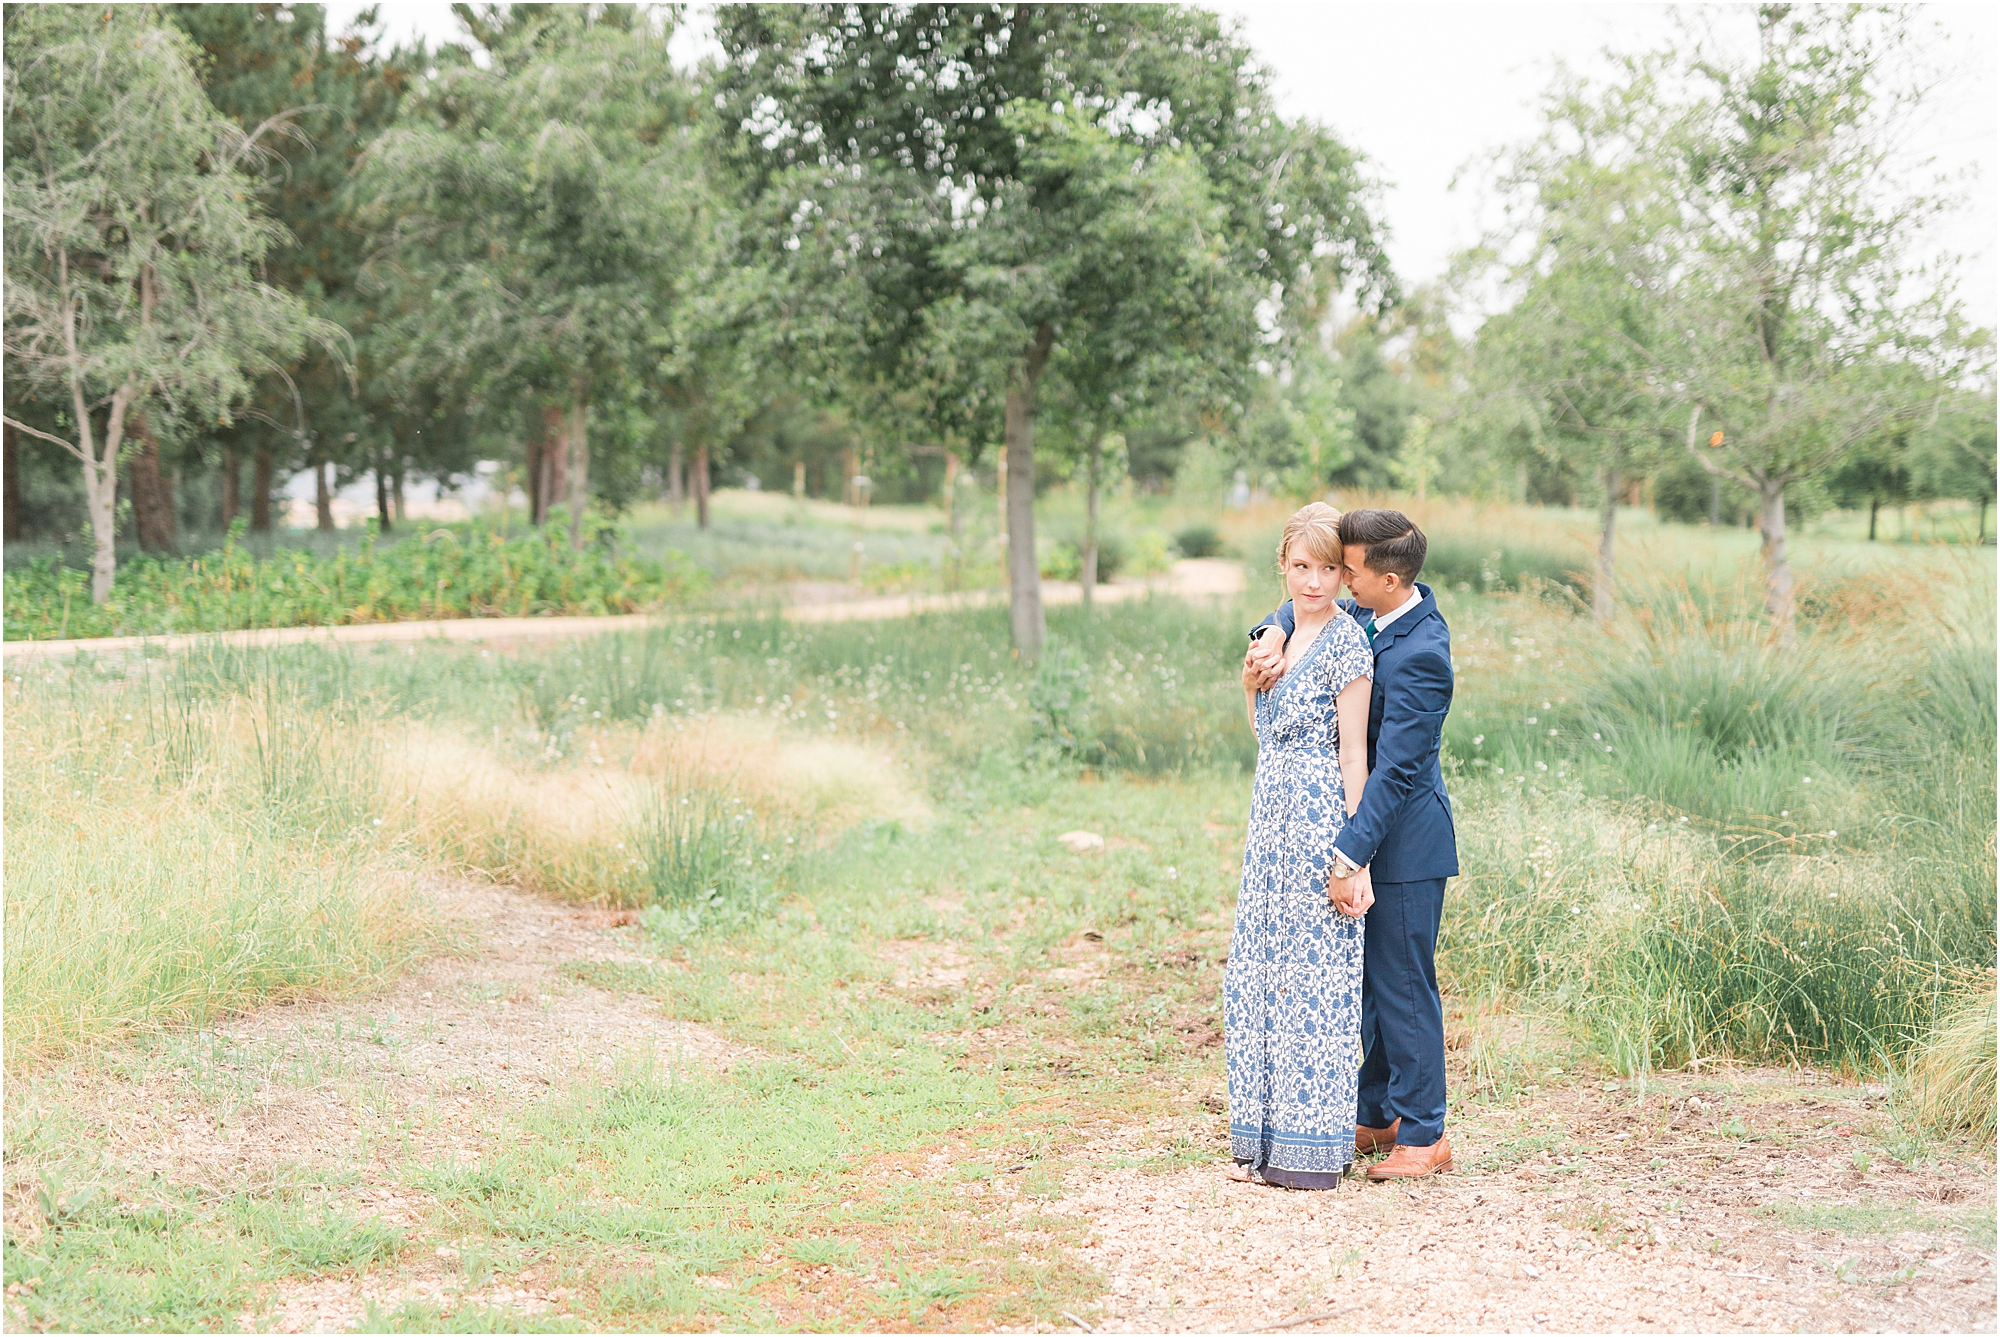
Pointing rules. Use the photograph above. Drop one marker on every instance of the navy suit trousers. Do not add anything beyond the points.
(1402, 1015)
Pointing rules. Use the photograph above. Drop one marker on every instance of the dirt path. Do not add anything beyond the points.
(1734, 1202)
(427, 1071)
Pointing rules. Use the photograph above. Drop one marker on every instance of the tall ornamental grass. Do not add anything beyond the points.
(1703, 842)
(1950, 1084)
(170, 862)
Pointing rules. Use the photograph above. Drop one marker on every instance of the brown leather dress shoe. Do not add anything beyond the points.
(1414, 1162)
(1368, 1141)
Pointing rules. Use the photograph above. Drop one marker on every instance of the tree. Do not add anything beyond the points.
(133, 243)
(536, 207)
(1805, 323)
(318, 101)
(1573, 362)
(1952, 453)
(933, 149)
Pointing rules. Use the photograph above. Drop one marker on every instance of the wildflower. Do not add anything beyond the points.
(1477, 739)
(1173, 872)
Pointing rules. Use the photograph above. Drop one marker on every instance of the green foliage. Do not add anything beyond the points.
(1033, 208)
(1200, 539)
(318, 99)
(468, 570)
(134, 249)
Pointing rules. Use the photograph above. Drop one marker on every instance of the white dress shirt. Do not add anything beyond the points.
(1384, 619)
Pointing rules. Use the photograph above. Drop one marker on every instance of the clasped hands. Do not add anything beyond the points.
(1351, 895)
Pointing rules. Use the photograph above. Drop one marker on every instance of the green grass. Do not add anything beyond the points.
(168, 862)
(1863, 1220)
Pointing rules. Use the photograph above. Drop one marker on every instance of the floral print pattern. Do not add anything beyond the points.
(1292, 988)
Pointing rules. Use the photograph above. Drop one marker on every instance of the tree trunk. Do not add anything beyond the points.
(396, 493)
(260, 497)
(232, 488)
(1604, 591)
(382, 516)
(677, 477)
(1874, 509)
(152, 496)
(1777, 567)
(951, 495)
(10, 505)
(1089, 573)
(531, 459)
(799, 481)
(1714, 501)
(553, 475)
(1984, 502)
(1000, 493)
(579, 471)
(100, 485)
(701, 486)
(1024, 580)
(323, 497)
(101, 498)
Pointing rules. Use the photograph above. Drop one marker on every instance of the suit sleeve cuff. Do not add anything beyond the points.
(1343, 865)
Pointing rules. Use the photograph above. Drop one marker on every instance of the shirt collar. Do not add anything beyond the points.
(1384, 619)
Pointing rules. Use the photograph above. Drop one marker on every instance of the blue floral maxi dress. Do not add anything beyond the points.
(1292, 989)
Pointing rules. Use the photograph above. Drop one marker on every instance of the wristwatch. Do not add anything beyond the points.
(1344, 866)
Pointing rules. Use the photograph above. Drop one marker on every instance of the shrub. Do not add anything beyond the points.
(1199, 540)
(468, 570)
(1064, 559)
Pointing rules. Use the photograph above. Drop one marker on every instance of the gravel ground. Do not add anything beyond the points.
(1648, 1211)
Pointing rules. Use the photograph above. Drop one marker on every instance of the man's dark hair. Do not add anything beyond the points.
(1393, 541)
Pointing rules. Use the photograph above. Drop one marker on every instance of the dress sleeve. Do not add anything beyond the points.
(1350, 658)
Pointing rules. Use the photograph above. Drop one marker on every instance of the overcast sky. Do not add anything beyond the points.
(1425, 90)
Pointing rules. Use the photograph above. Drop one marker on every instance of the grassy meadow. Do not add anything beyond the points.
(1684, 846)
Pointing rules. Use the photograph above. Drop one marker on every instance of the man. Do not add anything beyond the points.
(1399, 843)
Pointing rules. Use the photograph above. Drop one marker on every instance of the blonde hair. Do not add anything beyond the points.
(1318, 526)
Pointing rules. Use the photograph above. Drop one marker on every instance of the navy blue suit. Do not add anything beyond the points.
(1403, 834)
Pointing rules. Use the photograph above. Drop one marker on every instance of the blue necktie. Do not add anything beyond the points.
(1368, 629)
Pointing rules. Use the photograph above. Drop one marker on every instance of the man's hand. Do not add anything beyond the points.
(1264, 661)
(1350, 895)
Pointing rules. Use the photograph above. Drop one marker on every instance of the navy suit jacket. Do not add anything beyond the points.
(1403, 829)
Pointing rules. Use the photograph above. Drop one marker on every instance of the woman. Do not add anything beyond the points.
(1292, 989)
